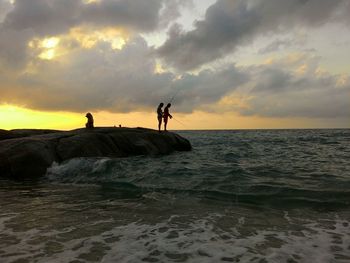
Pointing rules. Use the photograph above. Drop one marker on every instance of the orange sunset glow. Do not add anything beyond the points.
(174, 131)
(120, 66)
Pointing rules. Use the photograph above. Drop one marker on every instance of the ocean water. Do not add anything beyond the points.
(239, 196)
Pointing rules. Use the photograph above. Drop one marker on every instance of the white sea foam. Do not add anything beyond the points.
(80, 170)
(175, 241)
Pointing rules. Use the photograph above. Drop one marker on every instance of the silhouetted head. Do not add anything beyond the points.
(89, 116)
(90, 120)
(161, 104)
(169, 105)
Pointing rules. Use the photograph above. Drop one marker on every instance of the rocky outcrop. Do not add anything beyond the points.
(28, 153)
(4, 134)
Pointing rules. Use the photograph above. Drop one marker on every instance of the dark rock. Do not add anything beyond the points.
(4, 135)
(28, 153)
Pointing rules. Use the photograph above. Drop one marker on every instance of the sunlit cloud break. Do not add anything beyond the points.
(258, 59)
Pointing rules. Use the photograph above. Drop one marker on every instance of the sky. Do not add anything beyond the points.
(224, 64)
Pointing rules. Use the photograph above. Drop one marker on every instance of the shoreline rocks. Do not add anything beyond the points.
(28, 153)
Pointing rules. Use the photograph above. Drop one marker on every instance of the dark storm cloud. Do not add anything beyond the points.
(98, 78)
(26, 20)
(51, 17)
(13, 46)
(278, 92)
(120, 81)
(207, 87)
(102, 78)
(139, 14)
(172, 10)
(43, 17)
(228, 24)
(105, 79)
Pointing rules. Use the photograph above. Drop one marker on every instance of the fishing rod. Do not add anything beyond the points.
(173, 97)
(179, 122)
(171, 100)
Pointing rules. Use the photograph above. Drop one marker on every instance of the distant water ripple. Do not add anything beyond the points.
(248, 166)
(239, 196)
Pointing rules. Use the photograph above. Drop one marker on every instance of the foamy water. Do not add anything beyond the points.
(177, 239)
(248, 196)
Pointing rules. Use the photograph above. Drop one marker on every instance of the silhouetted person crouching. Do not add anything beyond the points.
(166, 115)
(90, 120)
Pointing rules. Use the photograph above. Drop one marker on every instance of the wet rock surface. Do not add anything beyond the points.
(28, 153)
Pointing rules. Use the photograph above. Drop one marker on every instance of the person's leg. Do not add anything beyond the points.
(165, 123)
(159, 123)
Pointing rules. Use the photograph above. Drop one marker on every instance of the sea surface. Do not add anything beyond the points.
(238, 196)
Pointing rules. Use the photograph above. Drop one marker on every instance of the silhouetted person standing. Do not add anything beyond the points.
(166, 115)
(90, 120)
(160, 115)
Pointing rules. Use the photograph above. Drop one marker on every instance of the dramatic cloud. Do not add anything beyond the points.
(229, 24)
(102, 78)
(172, 10)
(5, 6)
(79, 56)
(26, 20)
(57, 16)
(296, 88)
(207, 87)
(280, 44)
